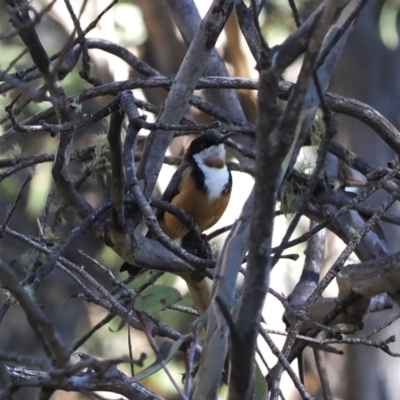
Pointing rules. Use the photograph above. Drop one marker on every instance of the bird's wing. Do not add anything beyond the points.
(173, 187)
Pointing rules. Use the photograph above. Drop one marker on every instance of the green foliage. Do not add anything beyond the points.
(200, 322)
(76, 105)
(291, 196)
(28, 289)
(260, 386)
(388, 24)
(8, 295)
(156, 298)
(304, 165)
(9, 187)
(157, 365)
(99, 166)
(317, 129)
(126, 16)
(352, 230)
(50, 236)
(13, 152)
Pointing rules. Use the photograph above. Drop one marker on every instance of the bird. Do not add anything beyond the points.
(201, 187)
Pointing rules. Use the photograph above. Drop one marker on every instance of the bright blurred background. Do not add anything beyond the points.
(368, 71)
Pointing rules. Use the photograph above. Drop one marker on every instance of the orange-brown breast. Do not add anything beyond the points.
(205, 211)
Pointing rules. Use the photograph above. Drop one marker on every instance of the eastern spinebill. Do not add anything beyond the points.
(201, 187)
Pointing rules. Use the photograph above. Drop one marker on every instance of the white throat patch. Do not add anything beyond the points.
(215, 179)
(217, 151)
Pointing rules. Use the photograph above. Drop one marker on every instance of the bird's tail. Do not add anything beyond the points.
(133, 270)
(200, 291)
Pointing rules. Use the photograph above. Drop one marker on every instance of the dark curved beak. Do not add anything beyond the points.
(227, 136)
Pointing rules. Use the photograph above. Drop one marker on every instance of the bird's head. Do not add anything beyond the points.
(208, 149)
